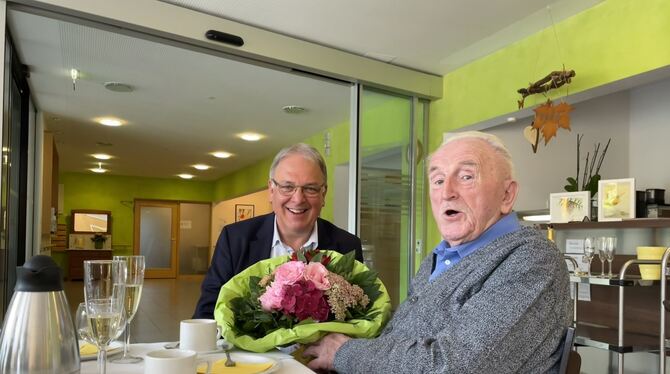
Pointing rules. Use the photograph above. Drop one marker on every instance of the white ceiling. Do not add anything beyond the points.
(186, 104)
(434, 36)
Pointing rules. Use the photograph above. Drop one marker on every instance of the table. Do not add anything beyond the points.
(287, 364)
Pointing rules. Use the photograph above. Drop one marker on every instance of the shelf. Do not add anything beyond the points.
(625, 224)
(628, 282)
(589, 335)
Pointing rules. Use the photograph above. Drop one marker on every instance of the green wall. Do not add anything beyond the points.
(117, 193)
(609, 42)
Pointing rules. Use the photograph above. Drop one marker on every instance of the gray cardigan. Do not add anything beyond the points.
(502, 309)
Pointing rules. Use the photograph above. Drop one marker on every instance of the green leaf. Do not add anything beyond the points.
(593, 184)
(317, 257)
(344, 265)
(572, 186)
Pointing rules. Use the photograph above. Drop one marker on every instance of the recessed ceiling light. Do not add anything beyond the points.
(102, 156)
(250, 136)
(185, 176)
(221, 154)
(293, 109)
(109, 121)
(201, 166)
(511, 119)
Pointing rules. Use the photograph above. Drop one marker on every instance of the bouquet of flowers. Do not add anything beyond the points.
(299, 299)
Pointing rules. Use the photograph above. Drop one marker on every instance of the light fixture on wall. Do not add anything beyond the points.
(74, 74)
(99, 169)
(326, 143)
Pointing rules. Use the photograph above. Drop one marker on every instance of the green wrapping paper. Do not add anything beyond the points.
(304, 332)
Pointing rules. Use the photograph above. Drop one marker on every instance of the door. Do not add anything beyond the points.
(156, 237)
(391, 206)
(194, 239)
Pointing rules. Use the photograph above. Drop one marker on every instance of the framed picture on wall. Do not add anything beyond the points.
(569, 206)
(243, 211)
(616, 199)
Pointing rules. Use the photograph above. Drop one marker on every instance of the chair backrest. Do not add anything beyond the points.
(570, 360)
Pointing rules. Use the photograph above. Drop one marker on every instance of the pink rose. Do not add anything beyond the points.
(318, 274)
(272, 298)
(289, 273)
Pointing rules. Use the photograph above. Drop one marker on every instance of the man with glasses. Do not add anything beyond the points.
(297, 187)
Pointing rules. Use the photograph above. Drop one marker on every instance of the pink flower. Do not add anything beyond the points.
(272, 298)
(289, 273)
(318, 274)
(311, 303)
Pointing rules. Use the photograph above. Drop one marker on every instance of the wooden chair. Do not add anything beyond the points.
(571, 361)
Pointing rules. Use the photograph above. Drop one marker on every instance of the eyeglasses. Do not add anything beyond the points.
(309, 190)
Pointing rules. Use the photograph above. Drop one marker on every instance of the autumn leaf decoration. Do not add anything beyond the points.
(549, 117)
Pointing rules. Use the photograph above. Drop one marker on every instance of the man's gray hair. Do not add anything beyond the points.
(491, 139)
(305, 150)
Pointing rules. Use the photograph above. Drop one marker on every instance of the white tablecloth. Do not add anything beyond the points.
(287, 364)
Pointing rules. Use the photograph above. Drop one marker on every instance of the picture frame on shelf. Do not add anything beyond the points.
(243, 211)
(616, 199)
(569, 206)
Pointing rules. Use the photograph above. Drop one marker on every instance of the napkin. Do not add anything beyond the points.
(87, 349)
(219, 367)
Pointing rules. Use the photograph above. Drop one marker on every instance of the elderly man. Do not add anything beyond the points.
(297, 189)
(493, 297)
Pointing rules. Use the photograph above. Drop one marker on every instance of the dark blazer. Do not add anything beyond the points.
(244, 243)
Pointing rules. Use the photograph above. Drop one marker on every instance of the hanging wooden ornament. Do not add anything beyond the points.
(549, 118)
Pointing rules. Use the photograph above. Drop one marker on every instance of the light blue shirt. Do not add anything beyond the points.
(279, 248)
(448, 256)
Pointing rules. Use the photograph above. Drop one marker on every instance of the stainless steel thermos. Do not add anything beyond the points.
(38, 335)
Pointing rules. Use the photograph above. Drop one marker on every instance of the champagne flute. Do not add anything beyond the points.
(84, 328)
(133, 286)
(600, 248)
(610, 247)
(589, 250)
(104, 296)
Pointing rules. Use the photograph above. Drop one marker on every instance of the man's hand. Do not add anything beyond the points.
(324, 351)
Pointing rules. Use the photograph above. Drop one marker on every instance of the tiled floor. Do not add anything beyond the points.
(164, 303)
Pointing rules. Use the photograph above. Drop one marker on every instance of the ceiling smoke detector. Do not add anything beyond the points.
(118, 87)
(293, 109)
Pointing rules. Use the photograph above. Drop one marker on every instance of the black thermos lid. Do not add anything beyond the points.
(39, 274)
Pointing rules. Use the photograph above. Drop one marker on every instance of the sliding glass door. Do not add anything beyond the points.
(390, 143)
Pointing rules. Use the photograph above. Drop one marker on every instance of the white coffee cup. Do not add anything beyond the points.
(173, 361)
(199, 335)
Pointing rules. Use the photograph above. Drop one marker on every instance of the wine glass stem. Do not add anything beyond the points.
(609, 263)
(590, 259)
(602, 268)
(127, 338)
(102, 360)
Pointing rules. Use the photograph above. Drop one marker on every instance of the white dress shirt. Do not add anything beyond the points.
(281, 249)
